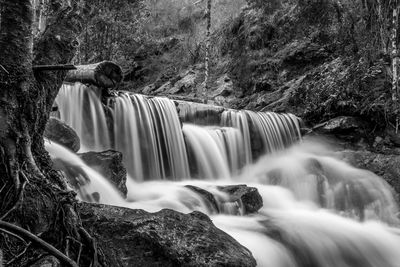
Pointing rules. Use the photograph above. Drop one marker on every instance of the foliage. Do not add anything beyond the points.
(151, 39)
(339, 50)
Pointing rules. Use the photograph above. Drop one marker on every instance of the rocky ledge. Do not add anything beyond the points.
(166, 238)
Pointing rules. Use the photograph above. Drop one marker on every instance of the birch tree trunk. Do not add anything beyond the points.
(395, 56)
(207, 54)
(395, 61)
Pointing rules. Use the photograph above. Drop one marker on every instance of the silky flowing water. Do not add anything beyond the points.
(317, 210)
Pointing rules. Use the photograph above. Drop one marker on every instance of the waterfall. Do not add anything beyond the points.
(149, 133)
(317, 210)
(266, 132)
(81, 109)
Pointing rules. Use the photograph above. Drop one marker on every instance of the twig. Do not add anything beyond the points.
(2, 67)
(22, 252)
(33, 238)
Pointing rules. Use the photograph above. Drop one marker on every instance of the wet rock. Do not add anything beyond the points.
(199, 113)
(208, 198)
(166, 238)
(238, 196)
(109, 164)
(59, 132)
(248, 196)
(386, 166)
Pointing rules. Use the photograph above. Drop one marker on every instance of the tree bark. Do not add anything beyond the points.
(207, 55)
(44, 205)
(395, 56)
(104, 74)
(395, 61)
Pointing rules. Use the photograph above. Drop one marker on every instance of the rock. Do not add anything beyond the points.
(148, 89)
(238, 196)
(346, 127)
(47, 261)
(198, 113)
(386, 166)
(224, 87)
(181, 83)
(208, 198)
(109, 164)
(59, 132)
(302, 52)
(393, 136)
(166, 238)
(223, 94)
(248, 196)
(186, 84)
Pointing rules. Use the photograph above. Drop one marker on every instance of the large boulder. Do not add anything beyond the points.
(166, 238)
(109, 164)
(59, 132)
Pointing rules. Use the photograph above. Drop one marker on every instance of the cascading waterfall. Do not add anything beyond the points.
(317, 210)
(81, 109)
(149, 134)
(267, 131)
(216, 152)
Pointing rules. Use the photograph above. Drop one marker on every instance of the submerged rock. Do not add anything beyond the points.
(207, 197)
(249, 197)
(386, 166)
(59, 132)
(109, 164)
(166, 238)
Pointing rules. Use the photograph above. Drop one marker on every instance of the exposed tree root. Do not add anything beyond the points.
(20, 194)
(15, 230)
(93, 244)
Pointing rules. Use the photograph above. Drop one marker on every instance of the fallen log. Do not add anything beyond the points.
(104, 74)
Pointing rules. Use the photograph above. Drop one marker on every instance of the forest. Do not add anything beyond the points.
(199, 133)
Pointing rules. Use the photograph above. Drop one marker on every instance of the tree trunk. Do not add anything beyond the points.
(32, 194)
(395, 56)
(395, 61)
(207, 56)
